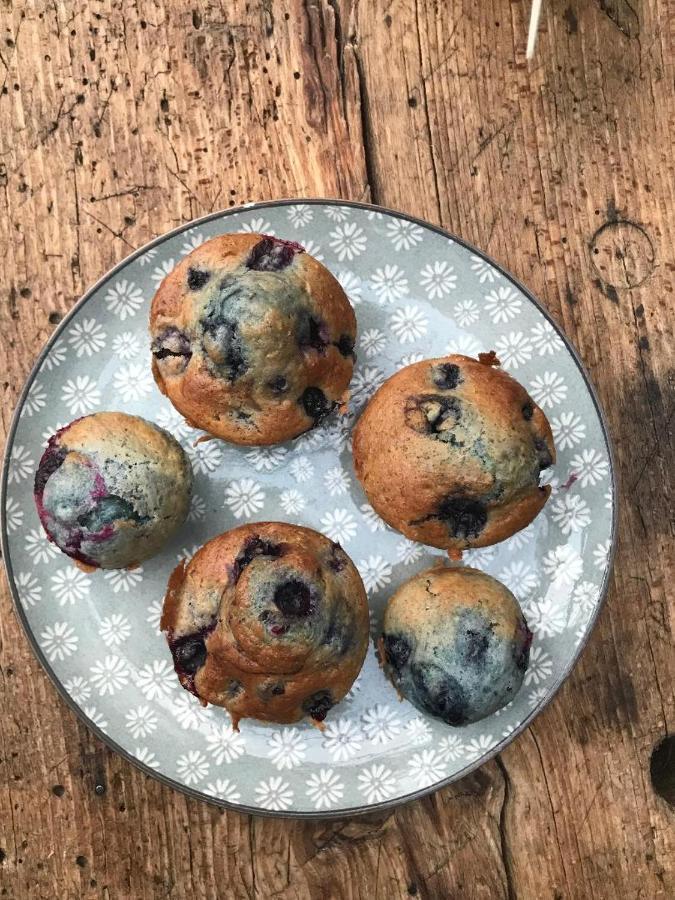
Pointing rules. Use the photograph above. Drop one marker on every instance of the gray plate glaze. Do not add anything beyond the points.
(417, 293)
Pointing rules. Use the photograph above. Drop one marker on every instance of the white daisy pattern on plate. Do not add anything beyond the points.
(96, 717)
(540, 666)
(266, 459)
(451, 747)
(172, 421)
(375, 572)
(545, 339)
(287, 748)
(39, 547)
(478, 746)
(389, 284)
(339, 525)
(161, 271)
(502, 304)
(380, 724)
(377, 783)
(371, 518)
(465, 345)
(341, 739)
(585, 597)
(563, 564)
(124, 580)
(148, 256)
(59, 641)
(225, 744)
(55, 357)
(409, 359)
(114, 629)
(408, 324)
(372, 342)
(336, 213)
(197, 510)
(86, 337)
(13, 514)
(301, 469)
(513, 349)
(548, 389)
(110, 674)
(313, 249)
(192, 766)
(156, 679)
(590, 467)
(133, 382)
(36, 399)
(324, 788)
(124, 299)
(224, 789)
(154, 614)
(126, 345)
(292, 502)
(70, 585)
(466, 313)
(258, 225)
(337, 481)
(438, 279)
(244, 498)
(519, 578)
(146, 757)
(352, 286)
(141, 721)
(408, 551)
(568, 430)
(534, 698)
(427, 767)
(571, 513)
(188, 711)
(403, 234)
(81, 395)
(364, 384)
(348, 241)
(483, 270)
(274, 793)
(78, 688)
(21, 464)
(546, 616)
(300, 215)
(418, 731)
(601, 554)
(191, 243)
(29, 589)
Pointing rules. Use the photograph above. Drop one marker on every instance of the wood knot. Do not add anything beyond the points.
(622, 253)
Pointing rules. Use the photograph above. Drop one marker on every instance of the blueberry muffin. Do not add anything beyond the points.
(252, 339)
(268, 620)
(110, 489)
(455, 644)
(449, 452)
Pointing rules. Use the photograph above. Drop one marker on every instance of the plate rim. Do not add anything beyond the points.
(165, 779)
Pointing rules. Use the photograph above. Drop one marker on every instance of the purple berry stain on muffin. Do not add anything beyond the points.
(446, 376)
(223, 344)
(189, 655)
(318, 705)
(293, 598)
(254, 547)
(312, 333)
(465, 517)
(272, 254)
(172, 344)
(197, 278)
(346, 346)
(316, 404)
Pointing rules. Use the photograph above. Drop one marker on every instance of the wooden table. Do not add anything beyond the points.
(124, 118)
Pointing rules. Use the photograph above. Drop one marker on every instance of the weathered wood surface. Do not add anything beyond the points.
(121, 119)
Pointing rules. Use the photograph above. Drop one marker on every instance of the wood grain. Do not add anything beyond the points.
(121, 119)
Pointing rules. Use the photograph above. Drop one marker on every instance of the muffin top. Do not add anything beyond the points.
(111, 488)
(449, 452)
(455, 643)
(269, 621)
(252, 339)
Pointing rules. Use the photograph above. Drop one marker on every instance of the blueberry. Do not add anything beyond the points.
(346, 345)
(446, 376)
(433, 414)
(315, 403)
(397, 650)
(523, 655)
(172, 343)
(318, 704)
(224, 345)
(545, 458)
(472, 645)
(528, 410)
(271, 689)
(278, 385)
(190, 654)
(197, 278)
(278, 689)
(253, 547)
(339, 634)
(234, 687)
(52, 459)
(272, 254)
(439, 693)
(312, 333)
(108, 510)
(338, 558)
(293, 598)
(464, 516)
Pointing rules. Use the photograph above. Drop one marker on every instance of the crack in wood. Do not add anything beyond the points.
(506, 853)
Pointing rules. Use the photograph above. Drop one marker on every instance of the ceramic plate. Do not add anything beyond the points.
(417, 293)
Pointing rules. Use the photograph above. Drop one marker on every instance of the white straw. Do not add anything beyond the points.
(534, 25)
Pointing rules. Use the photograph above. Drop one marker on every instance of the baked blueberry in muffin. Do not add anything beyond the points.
(110, 489)
(252, 339)
(455, 644)
(449, 452)
(269, 621)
